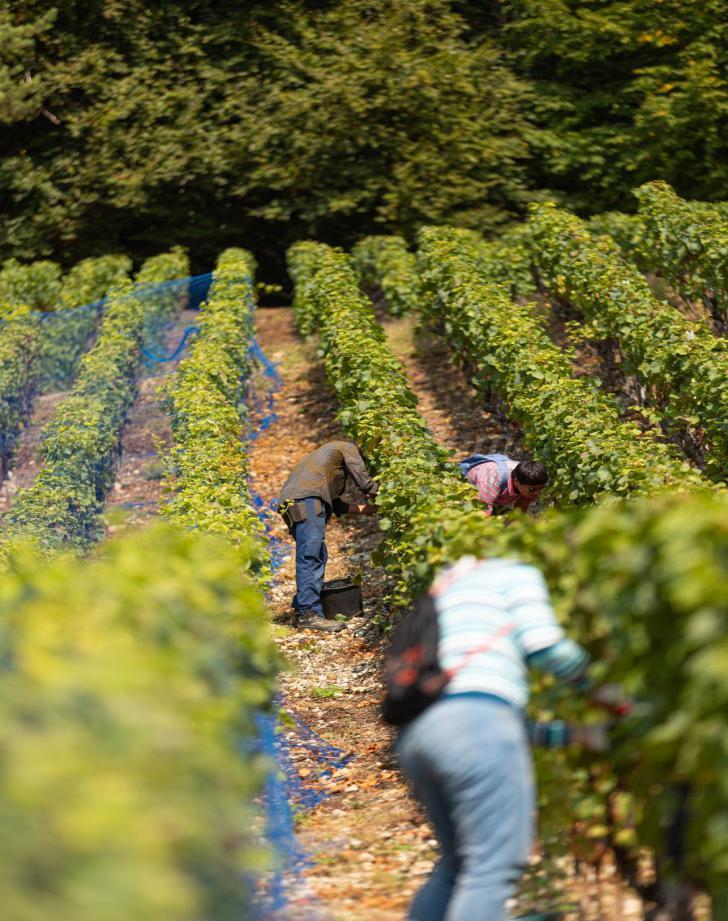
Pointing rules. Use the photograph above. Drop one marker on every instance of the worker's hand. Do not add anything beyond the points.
(611, 697)
(593, 738)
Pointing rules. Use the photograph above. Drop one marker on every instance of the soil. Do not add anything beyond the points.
(27, 460)
(458, 416)
(139, 486)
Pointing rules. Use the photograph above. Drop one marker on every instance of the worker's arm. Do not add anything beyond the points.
(568, 662)
(357, 471)
(538, 634)
(559, 734)
(565, 659)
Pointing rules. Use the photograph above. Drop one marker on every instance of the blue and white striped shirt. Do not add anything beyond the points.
(506, 603)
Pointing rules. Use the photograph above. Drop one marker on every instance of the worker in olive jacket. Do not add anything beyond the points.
(310, 496)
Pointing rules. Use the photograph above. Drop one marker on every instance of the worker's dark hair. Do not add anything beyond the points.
(531, 473)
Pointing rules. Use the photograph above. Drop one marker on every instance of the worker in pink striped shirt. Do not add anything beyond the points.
(503, 482)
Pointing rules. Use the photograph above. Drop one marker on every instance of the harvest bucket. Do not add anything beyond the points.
(341, 596)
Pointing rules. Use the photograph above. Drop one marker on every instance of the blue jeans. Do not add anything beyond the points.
(469, 764)
(311, 558)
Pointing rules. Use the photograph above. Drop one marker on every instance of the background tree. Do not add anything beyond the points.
(626, 91)
(207, 124)
(378, 110)
(134, 125)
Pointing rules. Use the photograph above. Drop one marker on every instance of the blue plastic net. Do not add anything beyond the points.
(197, 288)
(262, 386)
(163, 303)
(150, 358)
(67, 333)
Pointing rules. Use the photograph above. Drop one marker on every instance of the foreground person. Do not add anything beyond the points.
(310, 496)
(467, 754)
(504, 483)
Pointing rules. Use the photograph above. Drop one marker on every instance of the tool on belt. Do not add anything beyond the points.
(294, 511)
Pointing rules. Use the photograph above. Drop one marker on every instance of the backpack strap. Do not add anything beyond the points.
(500, 460)
(502, 631)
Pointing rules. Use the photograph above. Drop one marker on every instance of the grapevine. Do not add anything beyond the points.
(81, 443)
(426, 509)
(209, 458)
(385, 263)
(569, 423)
(670, 542)
(680, 362)
(687, 243)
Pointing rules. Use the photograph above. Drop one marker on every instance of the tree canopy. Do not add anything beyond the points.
(130, 125)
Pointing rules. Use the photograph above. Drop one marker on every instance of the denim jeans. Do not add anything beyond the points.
(311, 558)
(468, 761)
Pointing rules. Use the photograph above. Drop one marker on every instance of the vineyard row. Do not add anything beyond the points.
(569, 423)
(81, 442)
(664, 645)
(684, 242)
(38, 351)
(682, 368)
(130, 683)
(682, 365)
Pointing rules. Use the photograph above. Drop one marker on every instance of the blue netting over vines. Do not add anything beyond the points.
(66, 334)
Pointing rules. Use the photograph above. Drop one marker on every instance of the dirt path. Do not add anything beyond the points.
(369, 846)
(138, 488)
(455, 412)
(26, 460)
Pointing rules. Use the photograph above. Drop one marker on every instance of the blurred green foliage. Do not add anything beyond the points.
(127, 686)
(644, 585)
(129, 125)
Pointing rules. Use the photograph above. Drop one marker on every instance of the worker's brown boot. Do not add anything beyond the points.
(310, 620)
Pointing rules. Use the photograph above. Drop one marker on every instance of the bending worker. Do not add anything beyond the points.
(310, 495)
(502, 482)
(467, 753)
